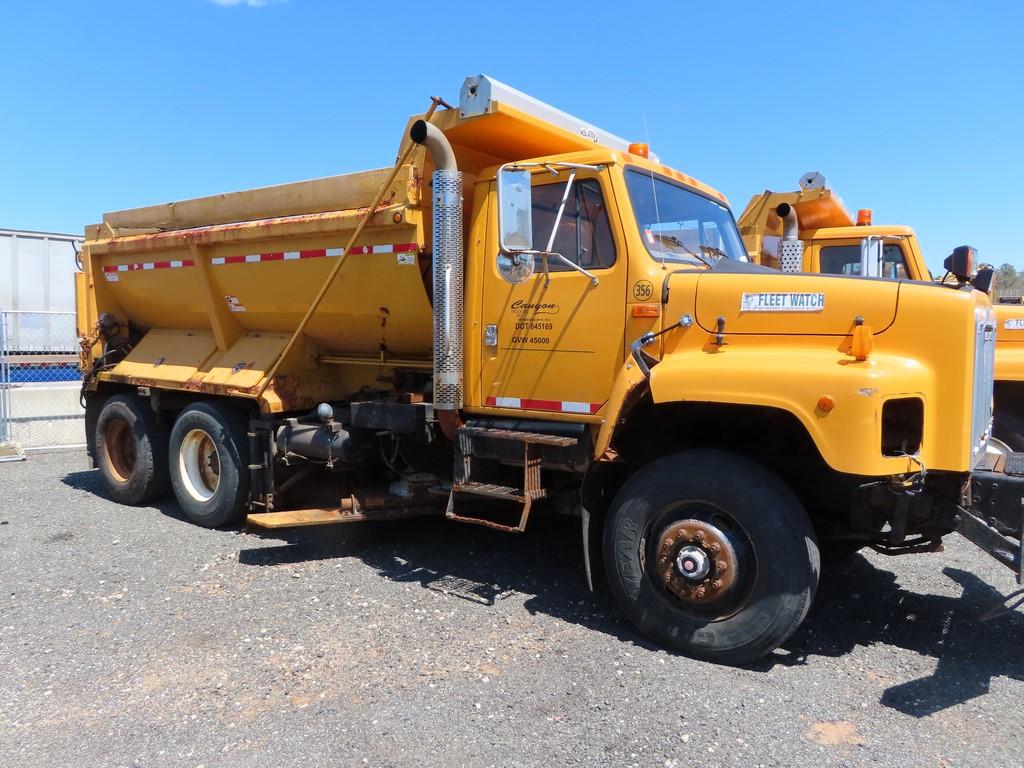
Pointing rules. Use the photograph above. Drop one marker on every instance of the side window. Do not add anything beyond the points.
(845, 260)
(584, 235)
(894, 264)
(840, 260)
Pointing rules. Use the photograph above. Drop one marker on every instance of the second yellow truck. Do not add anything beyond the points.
(527, 311)
(825, 239)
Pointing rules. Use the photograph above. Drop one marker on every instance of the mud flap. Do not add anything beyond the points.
(591, 527)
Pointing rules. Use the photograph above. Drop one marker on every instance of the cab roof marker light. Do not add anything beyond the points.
(480, 92)
(640, 149)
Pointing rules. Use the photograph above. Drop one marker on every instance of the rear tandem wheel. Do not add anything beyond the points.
(131, 450)
(209, 460)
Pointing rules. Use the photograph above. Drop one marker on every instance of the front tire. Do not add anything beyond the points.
(131, 450)
(209, 460)
(711, 555)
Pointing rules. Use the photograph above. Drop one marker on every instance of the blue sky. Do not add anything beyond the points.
(914, 109)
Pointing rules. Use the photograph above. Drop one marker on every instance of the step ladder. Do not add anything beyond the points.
(532, 489)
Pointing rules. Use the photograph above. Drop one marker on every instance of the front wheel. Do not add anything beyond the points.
(209, 460)
(711, 555)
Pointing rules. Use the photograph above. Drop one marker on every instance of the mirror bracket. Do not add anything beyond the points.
(527, 233)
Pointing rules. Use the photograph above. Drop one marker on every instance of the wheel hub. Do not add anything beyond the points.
(119, 445)
(692, 563)
(696, 561)
(200, 465)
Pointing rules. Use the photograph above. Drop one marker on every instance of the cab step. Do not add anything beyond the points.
(533, 443)
(491, 491)
(532, 438)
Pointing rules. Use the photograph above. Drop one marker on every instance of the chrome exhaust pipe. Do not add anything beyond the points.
(449, 303)
(790, 223)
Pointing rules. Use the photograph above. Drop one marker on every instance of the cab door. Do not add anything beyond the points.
(553, 343)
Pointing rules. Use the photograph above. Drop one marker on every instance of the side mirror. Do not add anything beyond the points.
(960, 263)
(871, 257)
(515, 210)
(983, 280)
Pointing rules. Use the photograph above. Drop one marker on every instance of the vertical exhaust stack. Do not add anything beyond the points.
(449, 301)
(791, 248)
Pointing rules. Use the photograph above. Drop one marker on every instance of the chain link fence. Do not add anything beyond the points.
(39, 382)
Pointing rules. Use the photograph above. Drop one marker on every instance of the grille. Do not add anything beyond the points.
(984, 374)
(448, 290)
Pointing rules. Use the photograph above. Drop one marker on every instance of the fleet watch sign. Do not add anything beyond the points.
(782, 302)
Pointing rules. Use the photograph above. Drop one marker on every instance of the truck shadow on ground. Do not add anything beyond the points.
(858, 603)
(91, 481)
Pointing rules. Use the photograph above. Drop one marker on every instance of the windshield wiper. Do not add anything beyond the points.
(676, 241)
(715, 251)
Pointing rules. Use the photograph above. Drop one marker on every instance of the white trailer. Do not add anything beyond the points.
(37, 270)
(38, 341)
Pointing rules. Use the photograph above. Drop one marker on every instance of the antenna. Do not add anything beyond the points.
(654, 190)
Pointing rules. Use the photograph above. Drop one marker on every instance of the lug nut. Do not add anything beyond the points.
(721, 566)
(716, 584)
(700, 593)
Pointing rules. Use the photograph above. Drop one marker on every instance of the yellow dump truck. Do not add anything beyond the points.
(824, 238)
(528, 313)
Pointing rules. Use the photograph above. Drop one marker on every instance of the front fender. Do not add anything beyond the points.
(849, 437)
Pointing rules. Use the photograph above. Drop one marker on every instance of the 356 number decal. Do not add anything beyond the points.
(643, 290)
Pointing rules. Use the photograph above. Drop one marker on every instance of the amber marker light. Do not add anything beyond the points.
(640, 149)
(826, 403)
(646, 310)
(864, 217)
(863, 342)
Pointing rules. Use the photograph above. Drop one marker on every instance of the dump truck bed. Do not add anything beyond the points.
(216, 285)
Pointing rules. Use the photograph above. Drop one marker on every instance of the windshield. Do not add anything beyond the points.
(679, 225)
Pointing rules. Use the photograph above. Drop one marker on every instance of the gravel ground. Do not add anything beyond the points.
(130, 637)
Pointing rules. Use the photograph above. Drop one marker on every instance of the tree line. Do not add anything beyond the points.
(1009, 282)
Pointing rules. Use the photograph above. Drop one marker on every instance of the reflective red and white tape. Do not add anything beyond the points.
(111, 273)
(558, 406)
(406, 255)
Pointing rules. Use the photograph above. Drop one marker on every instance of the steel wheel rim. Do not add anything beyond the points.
(662, 544)
(119, 449)
(199, 465)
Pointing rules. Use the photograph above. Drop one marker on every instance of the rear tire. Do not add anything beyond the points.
(131, 450)
(713, 513)
(209, 464)
(1009, 429)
